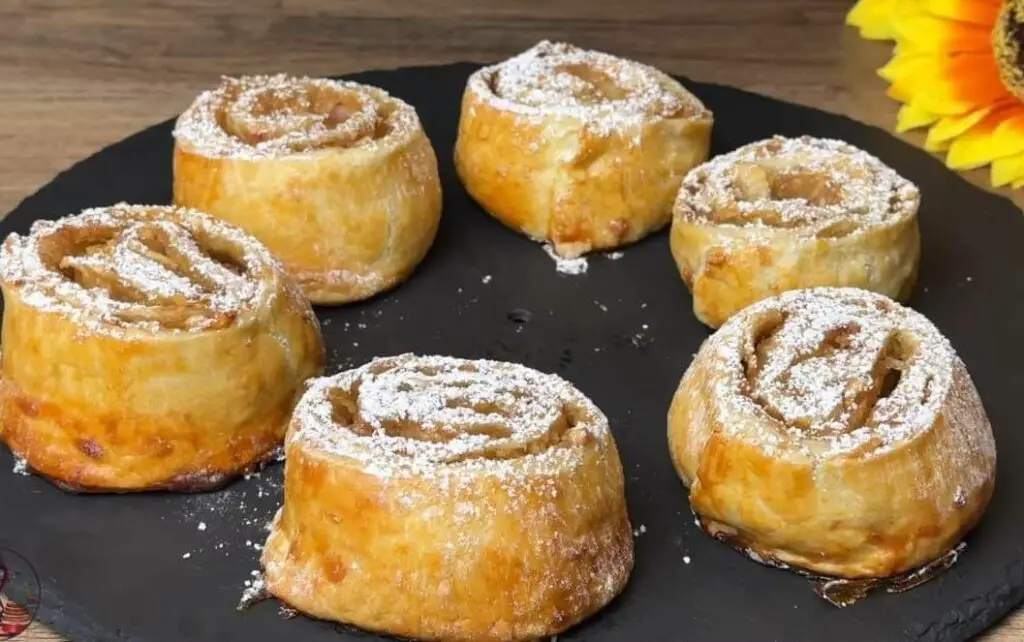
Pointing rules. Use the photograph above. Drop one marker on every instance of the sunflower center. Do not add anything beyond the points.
(1008, 46)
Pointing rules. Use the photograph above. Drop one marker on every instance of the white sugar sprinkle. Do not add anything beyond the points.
(607, 93)
(185, 556)
(486, 279)
(445, 397)
(686, 559)
(202, 526)
(20, 466)
(573, 266)
(808, 359)
(810, 186)
(268, 117)
(139, 268)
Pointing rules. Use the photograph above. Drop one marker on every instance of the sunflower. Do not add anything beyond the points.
(958, 68)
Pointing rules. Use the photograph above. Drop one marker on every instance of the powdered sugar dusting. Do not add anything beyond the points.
(608, 93)
(20, 466)
(575, 266)
(145, 268)
(265, 117)
(255, 591)
(810, 186)
(834, 369)
(434, 415)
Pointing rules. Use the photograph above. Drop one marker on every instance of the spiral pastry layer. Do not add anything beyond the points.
(337, 178)
(789, 213)
(576, 147)
(833, 430)
(443, 498)
(148, 347)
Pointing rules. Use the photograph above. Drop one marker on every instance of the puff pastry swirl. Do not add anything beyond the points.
(442, 498)
(148, 348)
(788, 213)
(833, 430)
(576, 147)
(337, 178)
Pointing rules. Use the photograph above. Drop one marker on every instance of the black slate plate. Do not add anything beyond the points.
(623, 333)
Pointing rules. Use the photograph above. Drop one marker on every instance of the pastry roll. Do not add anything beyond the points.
(835, 431)
(148, 348)
(338, 179)
(442, 498)
(783, 214)
(578, 148)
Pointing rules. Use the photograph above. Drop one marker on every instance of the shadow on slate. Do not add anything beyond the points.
(120, 559)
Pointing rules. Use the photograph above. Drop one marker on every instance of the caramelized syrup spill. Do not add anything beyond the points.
(842, 592)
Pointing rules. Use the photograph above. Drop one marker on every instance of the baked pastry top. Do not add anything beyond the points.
(789, 213)
(337, 178)
(444, 498)
(835, 431)
(576, 147)
(148, 347)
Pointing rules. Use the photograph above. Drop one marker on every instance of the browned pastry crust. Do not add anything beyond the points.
(578, 148)
(338, 179)
(783, 214)
(833, 430)
(439, 498)
(148, 348)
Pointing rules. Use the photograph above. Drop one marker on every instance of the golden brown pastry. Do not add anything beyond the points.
(783, 214)
(833, 430)
(449, 499)
(338, 179)
(148, 347)
(578, 148)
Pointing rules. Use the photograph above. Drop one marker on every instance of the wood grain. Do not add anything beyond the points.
(80, 74)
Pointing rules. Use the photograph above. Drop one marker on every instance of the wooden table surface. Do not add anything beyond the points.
(76, 75)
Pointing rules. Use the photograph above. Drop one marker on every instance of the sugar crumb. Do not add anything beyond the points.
(563, 265)
(20, 466)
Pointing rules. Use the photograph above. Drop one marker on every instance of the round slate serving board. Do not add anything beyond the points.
(161, 567)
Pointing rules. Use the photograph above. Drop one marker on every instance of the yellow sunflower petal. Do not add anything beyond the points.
(1007, 170)
(979, 12)
(1008, 137)
(909, 75)
(922, 32)
(912, 116)
(937, 146)
(949, 127)
(957, 84)
(977, 147)
(871, 18)
(902, 66)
